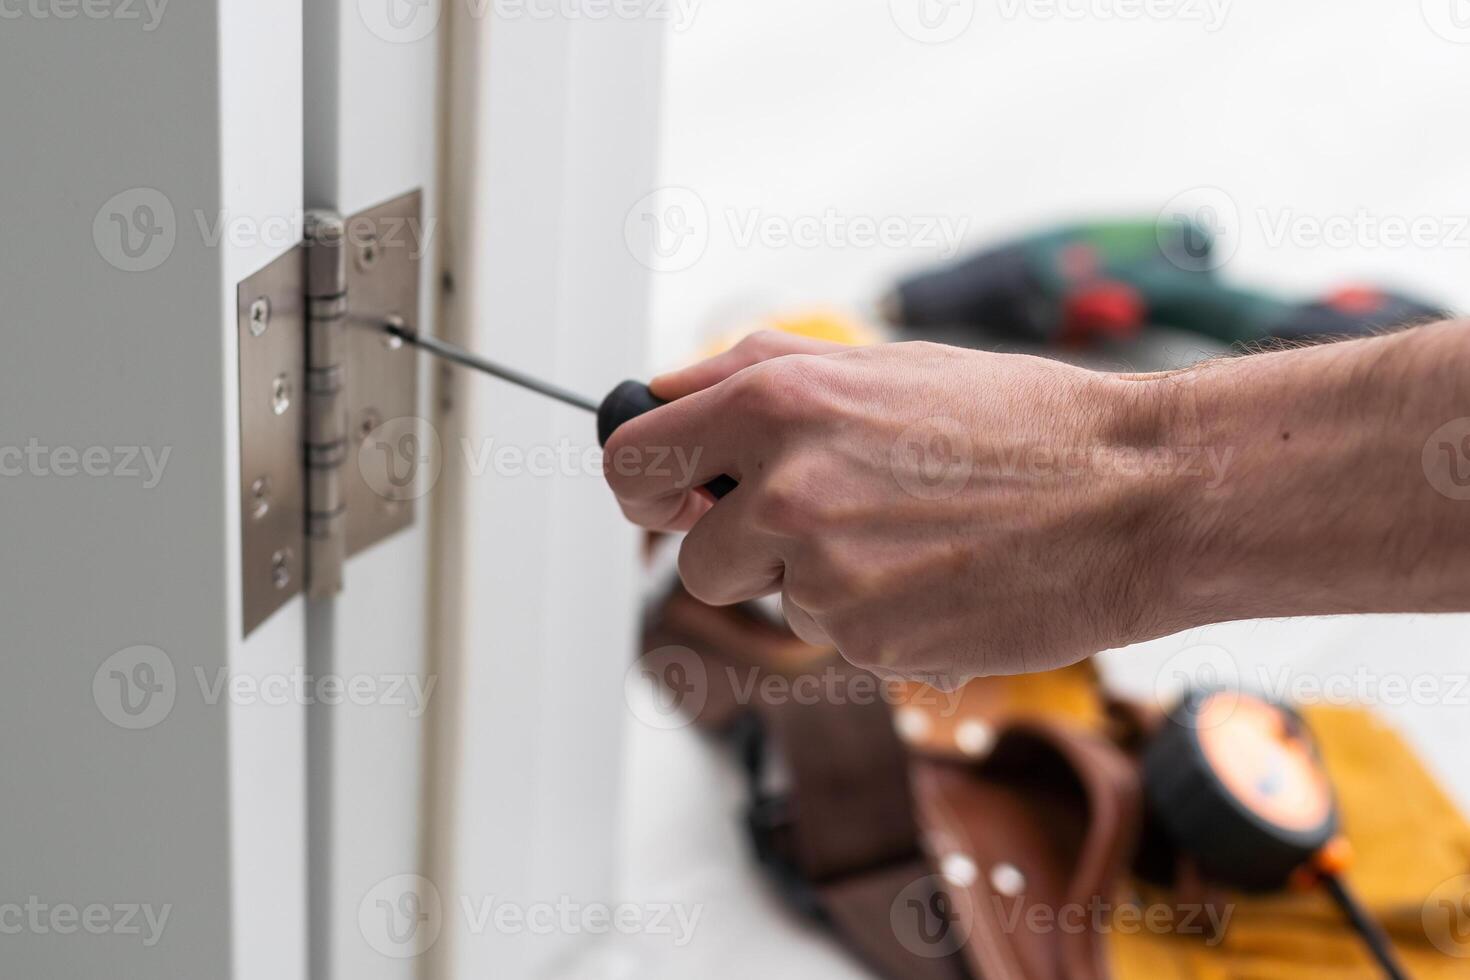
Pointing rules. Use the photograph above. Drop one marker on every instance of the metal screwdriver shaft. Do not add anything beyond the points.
(461, 356)
(626, 402)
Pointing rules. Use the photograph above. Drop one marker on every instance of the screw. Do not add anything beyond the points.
(368, 255)
(260, 493)
(392, 340)
(260, 316)
(370, 421)
(281, 394)
(281, 568)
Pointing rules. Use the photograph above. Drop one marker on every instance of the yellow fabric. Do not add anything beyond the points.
(819, 323)
(1071, 693)
(1408, 840)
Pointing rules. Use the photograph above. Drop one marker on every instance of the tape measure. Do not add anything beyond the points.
(1237, 783)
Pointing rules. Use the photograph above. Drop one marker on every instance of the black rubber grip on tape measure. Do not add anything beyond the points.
(630, 400)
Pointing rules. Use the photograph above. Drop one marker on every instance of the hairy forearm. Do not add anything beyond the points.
(1343, 486)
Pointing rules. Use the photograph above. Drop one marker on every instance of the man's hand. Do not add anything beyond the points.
(927, 509)
(945, 513)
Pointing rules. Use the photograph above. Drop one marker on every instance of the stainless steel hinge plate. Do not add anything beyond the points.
(384, 248)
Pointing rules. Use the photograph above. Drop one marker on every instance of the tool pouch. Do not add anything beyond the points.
(936, 855)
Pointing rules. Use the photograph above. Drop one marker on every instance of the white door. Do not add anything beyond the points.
(189, 788)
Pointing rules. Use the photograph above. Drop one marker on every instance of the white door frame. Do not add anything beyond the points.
(151, 165)
(554, 139)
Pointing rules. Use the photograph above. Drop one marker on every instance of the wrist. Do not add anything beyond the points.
(1313, 498)
(1159, 467)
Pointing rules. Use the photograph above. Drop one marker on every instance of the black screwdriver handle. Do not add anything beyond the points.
(630, 400)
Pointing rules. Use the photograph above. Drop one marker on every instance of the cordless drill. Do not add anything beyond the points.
(1084, 284)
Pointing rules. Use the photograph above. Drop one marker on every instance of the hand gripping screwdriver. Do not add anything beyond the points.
(626, 402)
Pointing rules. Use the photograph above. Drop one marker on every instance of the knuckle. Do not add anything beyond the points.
(827, 579)
(762, 344)
(780, 509)
(698, 577)
(782, 389)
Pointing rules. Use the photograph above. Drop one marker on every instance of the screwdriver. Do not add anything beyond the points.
(626, 402)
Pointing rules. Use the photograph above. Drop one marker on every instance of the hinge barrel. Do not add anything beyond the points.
(326, 404)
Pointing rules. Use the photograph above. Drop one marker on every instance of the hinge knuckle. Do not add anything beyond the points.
(326, 420)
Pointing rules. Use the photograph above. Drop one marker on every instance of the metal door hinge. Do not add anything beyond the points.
(319, 379)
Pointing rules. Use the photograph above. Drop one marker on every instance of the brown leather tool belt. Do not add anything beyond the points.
(958, 843)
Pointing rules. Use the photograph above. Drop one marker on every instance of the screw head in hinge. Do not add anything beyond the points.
(260, 316)
(394, 341)
(260, 497)
(281, 568)
(370, 420)
(280, 394)
(368, 252)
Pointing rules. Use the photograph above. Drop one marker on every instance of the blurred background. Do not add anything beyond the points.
(1319, 140)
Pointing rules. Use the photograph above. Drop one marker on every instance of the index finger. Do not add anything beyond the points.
(653, 462)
